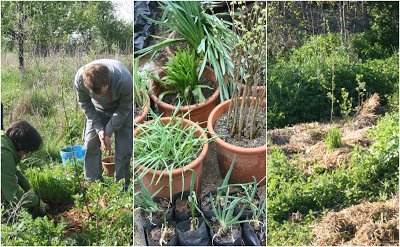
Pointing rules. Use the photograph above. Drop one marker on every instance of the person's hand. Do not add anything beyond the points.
(105, 141)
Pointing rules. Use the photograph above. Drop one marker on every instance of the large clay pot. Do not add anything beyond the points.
(196, 165)
(142, 117)
(249, 162)
(199, 113)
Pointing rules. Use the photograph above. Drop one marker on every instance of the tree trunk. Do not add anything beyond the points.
(20, 34)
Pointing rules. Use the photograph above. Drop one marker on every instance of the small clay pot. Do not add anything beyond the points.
(196, 165)
(198, 113)
(145, 110)
(109, 165)
(249, 162)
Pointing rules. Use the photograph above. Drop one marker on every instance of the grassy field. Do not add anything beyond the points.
(44, 95)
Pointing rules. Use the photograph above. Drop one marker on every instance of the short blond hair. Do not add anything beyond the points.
(96, 76)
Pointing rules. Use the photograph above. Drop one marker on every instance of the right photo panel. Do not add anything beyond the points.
(332, 123)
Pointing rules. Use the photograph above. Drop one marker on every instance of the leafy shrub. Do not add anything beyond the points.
(299, 84)
(334, 138)
(27, 231)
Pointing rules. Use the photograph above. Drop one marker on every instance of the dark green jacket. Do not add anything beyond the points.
(13, 183)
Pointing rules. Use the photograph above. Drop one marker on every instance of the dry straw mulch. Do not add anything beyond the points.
(307, 140)
(372, 224)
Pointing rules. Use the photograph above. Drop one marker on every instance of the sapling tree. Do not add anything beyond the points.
(248, 56)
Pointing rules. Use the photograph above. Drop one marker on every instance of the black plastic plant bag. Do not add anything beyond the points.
(249, 235)
(198, 237)
(221, 242)
(172, 242)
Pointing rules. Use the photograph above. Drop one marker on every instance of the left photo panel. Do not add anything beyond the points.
(66, 123)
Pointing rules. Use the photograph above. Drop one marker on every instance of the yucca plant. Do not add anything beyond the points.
(205, 33)
(249, 63)
(182, 74)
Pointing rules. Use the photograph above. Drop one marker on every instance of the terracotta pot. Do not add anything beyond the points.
(196, 165)
(249, 162)
(109, 165)
(142, 117)
(199, 113)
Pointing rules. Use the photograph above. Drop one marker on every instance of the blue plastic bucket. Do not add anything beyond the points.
(68, 152)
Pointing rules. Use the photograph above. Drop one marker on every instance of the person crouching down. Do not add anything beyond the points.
(105, 94)
(20, 139)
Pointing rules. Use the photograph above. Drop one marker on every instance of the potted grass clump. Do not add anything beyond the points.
(239, 124)
(141, 97)
(179, 82)
(192, 231)
(166, 148)
(153, 209)
(195, 23)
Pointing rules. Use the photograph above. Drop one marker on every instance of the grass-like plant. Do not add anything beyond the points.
(166, 146)
(333, 138)
(249, 63)
(144, 200)
(182, 74)
(205, 33)
(140, 84)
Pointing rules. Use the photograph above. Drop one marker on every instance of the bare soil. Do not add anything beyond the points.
(222, 128)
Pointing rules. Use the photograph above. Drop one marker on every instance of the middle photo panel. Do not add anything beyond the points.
(200, 123)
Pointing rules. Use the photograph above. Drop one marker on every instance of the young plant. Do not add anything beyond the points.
(334, 138)
(140, 84)
(249, 56)
(166, 146)
(144, 200)
(205, 33)
(182, 75)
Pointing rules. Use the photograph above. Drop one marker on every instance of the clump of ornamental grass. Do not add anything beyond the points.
(249, 56)
(334, 138)
(166, 146)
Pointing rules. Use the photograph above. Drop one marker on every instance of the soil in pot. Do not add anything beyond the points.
(224, 132)
(254, 234)
(232, 237)
(197, 237)
(156, 219)
(181, 207)
(172, 98)
(109, 165)
(168, 236)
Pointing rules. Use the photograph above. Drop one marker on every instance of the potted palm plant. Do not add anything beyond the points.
(166, 148)
(239, 124)
(179, 82)
(205, 33)
(141, 97)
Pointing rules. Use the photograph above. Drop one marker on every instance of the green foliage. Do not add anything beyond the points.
(205, 33)
(290, 233)
(140, 85)
(182, 74)
(373, 174)
(298, 85)
(111, 211)
(333, 138)
(53, 184)
(27, 231)
(166, 146)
